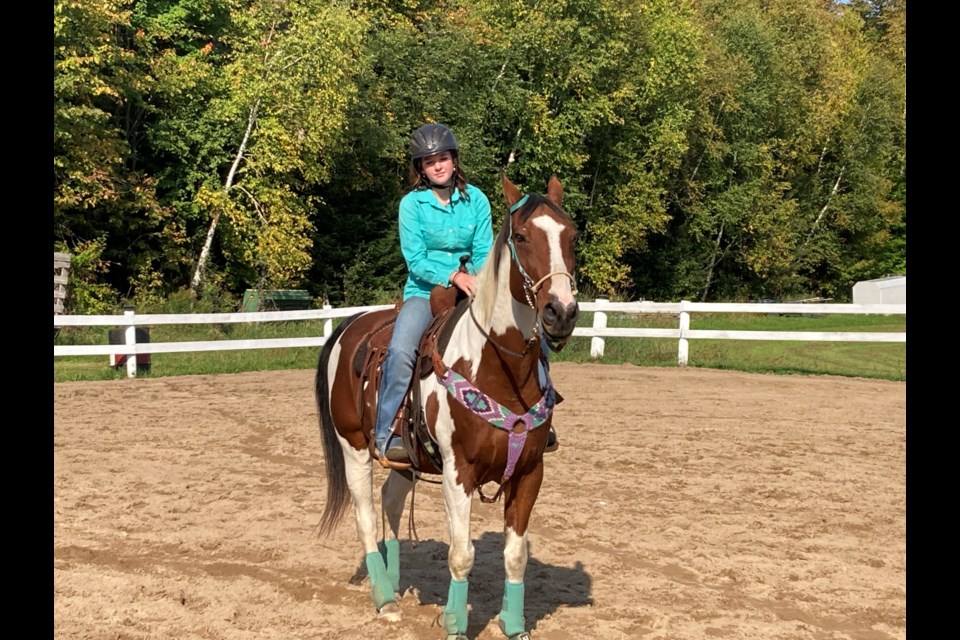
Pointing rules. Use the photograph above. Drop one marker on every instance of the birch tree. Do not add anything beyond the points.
(289, 88)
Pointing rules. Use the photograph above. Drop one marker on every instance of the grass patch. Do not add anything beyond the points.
(880, 360)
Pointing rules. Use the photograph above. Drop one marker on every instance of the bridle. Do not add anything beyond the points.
(530, 289)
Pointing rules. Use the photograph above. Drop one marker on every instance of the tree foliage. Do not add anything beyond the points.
(709, 150)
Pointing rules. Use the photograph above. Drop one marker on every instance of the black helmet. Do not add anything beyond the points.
(430, 139)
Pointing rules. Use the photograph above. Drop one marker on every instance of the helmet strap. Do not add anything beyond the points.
(433, 185)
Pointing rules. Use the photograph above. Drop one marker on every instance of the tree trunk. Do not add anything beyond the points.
(227, 185)
(714, 259)
(823, 211)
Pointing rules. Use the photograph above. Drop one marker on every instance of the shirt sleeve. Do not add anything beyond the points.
(483, 236)
(414, 248)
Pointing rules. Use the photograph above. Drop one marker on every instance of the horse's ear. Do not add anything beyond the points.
(510, 191)
(555, 191)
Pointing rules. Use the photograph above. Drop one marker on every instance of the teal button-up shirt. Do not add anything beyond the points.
(433, 237)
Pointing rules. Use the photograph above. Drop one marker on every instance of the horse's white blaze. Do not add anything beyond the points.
(514, 554)
(560, 285)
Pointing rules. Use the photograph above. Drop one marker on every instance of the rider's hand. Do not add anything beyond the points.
(465, 282)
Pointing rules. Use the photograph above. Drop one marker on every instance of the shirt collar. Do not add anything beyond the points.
(425, 196)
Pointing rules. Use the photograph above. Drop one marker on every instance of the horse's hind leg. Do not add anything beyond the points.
(359, 472)
(393, 496)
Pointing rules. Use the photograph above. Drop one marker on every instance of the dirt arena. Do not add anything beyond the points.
(683, 504)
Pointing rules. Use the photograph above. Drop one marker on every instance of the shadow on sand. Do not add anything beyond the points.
(423, 567)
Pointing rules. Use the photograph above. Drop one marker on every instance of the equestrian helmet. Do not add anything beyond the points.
(430, 139)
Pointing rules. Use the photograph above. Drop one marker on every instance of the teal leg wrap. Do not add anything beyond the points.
(455, 613)
(380, 588)
(511, 615)
(390, 550)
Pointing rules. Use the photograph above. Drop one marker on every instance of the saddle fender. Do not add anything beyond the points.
(367, 363)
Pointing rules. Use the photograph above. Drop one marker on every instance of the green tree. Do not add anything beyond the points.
(102, 196)
(182, 42)
(288, 92)
(764, 204)
(709, 150)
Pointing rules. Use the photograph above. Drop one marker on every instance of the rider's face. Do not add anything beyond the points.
(439, 167)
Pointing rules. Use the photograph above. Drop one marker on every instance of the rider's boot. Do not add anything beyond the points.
(390, 446)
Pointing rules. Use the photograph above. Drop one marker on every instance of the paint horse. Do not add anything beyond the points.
(484, 407)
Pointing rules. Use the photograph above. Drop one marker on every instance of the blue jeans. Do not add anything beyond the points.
(414, 318)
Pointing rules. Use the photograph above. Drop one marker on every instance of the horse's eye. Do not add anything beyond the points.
(519, 237)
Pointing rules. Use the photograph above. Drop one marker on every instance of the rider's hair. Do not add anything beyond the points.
(416, 179)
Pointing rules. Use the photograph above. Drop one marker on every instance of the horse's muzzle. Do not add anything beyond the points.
(559, 320)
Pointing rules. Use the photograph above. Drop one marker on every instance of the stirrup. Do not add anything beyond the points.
(395, 465)
(386, 462)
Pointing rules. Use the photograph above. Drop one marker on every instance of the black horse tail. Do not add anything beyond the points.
(337, 494)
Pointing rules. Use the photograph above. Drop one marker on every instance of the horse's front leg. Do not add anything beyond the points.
(519, 498)
(393, 496)
(460, 557)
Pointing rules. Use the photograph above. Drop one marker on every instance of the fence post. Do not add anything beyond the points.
(683, 349)
(327, 323)
(599, 322)
(130, 338)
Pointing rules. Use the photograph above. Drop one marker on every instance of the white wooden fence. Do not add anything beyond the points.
(601, 308)
(61, 276)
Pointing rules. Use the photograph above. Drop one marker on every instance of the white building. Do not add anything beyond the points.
(889, 290)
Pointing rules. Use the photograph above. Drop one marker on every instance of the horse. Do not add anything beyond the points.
(484, 406)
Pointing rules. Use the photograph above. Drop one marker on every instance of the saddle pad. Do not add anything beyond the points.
(377, 341)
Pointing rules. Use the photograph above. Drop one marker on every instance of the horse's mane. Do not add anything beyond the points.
(488, 277)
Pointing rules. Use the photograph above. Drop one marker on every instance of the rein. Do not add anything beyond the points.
(480, 404)
(530, 289)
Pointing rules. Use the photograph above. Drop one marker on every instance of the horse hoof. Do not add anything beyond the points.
(457, 636)
(390, 612)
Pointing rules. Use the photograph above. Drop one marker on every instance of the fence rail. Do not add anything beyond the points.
(597, 332)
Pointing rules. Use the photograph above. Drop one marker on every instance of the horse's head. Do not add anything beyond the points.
(542, 240)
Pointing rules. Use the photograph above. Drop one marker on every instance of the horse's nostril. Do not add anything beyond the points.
(550, 312)
(556, 313)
